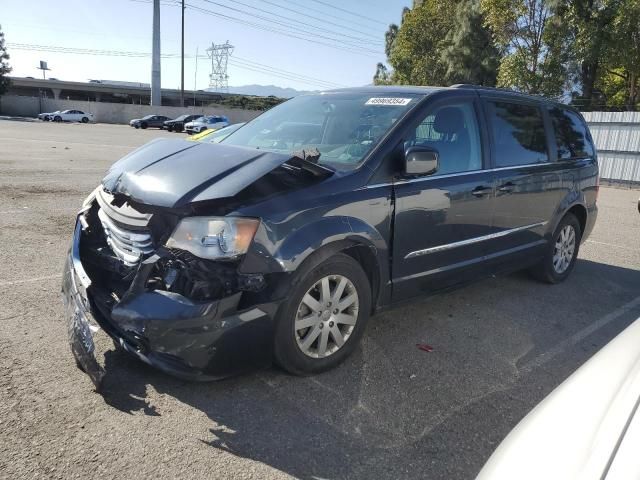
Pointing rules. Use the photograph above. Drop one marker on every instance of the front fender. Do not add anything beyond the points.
(288, 254)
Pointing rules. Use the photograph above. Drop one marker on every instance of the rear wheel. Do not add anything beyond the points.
(561, 253)
(321, 322)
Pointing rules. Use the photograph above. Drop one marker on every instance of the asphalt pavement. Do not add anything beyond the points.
(391, 411)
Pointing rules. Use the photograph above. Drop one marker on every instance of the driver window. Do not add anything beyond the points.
(452, 130)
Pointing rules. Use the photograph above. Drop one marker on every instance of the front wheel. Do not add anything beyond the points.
(324, 317)
(57, 119)
(143, 125)
(85, 120)
(562, 252)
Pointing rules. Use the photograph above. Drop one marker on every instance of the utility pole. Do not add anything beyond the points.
(156, 93)
(182, 62)
(195, 79)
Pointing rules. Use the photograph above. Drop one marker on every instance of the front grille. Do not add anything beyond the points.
(129, 246)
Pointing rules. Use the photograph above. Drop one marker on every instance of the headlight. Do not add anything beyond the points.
(214, 237)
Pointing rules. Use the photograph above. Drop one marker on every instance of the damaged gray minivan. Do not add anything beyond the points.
(207, 260)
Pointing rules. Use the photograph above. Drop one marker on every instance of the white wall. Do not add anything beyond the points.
(19, 106)
(617, 139)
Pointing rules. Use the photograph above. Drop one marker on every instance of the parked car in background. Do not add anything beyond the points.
(177, 124)
(47, 115)
(588, 428)
(215, 136)
(207, 260)
(211, 122)
(71, 116)
(154, 121)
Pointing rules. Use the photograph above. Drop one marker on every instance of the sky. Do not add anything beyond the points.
(302, 44)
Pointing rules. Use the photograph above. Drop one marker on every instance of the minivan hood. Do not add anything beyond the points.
(173, 173)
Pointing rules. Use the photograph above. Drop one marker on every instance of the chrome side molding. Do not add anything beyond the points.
(470, 241)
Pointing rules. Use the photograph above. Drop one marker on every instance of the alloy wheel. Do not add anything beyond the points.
(326, 316)
(564, 249)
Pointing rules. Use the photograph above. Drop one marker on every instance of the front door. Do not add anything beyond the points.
(441, 219)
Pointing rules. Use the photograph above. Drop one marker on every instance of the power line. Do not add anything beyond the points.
(294, 27)
(346, 27)
(237, 62)
(338, 45)
(282, 32)
(356, 14)
(322, 12)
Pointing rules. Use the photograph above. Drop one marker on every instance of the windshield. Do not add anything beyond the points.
(181, 117)
(147, 117)
(344, 127)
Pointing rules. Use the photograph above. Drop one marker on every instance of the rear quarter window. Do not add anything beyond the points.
(518, 134)
(572, 138)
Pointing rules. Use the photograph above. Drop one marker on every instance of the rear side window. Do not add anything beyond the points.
(518, 134)
(571, 135)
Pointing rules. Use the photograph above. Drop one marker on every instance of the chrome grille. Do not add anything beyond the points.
(129, 246)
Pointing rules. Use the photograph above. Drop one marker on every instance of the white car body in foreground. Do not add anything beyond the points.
(71, 116)
(588, 428)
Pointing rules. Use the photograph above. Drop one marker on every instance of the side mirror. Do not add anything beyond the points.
(420, 161)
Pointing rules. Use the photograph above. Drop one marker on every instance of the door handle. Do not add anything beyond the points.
(507, 187)
(480, 191)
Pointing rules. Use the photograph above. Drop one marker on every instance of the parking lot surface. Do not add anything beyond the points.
(390, 411)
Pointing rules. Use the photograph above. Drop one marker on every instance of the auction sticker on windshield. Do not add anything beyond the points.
(387, 101)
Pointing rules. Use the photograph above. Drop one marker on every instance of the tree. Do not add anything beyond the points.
(621, 77)
(5, 69)
(440, 42)
(382, 75)
(470, 55)
(534, 42)
(416, 54)
(589, 23)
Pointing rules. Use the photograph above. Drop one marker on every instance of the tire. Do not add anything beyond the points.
(143, 125)
(57, 119)
(136, 126)
(556, 265)
(85, 120)
(170, 128)
(289, 344)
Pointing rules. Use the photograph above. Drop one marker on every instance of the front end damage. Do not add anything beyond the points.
(196, 319)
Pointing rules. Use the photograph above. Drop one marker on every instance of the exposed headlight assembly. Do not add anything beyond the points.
(214, 237)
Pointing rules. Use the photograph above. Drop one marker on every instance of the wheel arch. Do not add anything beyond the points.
(575, 203)
(316, 242)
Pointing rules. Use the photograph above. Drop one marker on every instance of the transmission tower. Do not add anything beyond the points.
(219, 54)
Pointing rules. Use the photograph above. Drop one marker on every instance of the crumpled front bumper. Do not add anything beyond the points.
(190, 340)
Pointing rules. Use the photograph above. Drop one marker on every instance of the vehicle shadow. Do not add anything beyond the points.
(393, 410)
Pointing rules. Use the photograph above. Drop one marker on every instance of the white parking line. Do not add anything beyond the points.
(29, 280)
(579, 336)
